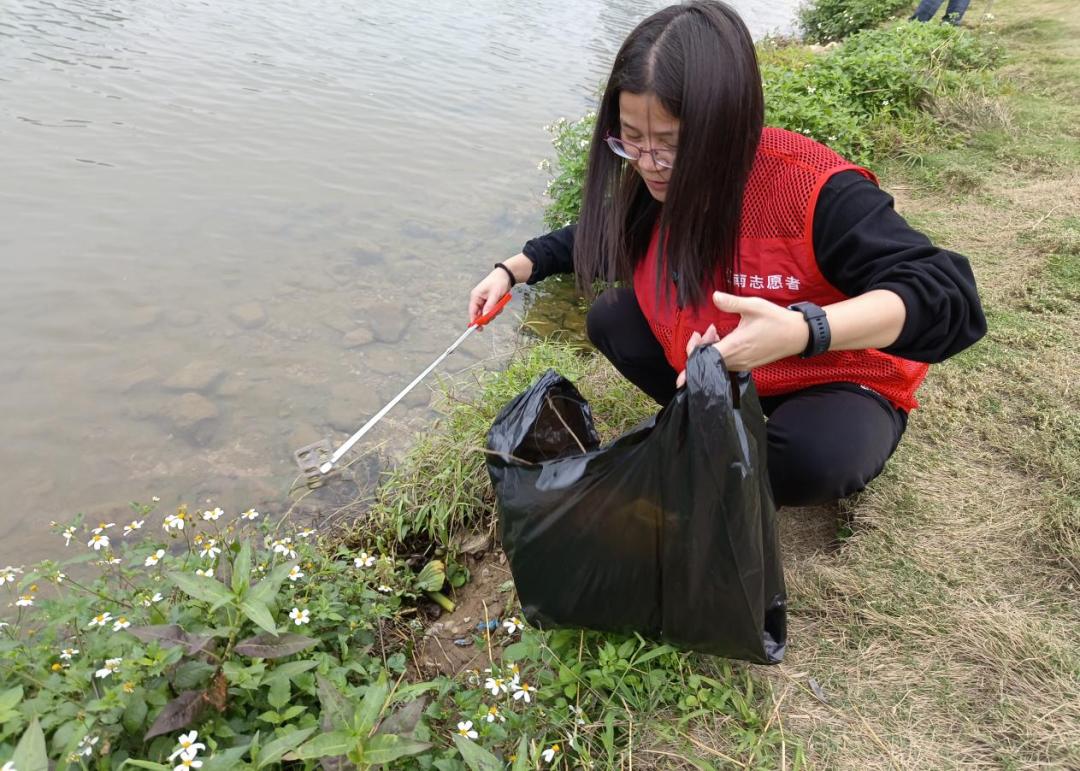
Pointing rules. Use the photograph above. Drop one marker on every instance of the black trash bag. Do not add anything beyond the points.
(669, 531)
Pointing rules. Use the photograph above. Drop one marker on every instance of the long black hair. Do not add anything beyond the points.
(698, 61)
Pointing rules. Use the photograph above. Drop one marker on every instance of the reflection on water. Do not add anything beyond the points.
(228, 229)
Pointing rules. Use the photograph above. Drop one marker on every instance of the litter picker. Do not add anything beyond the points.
(316, 459)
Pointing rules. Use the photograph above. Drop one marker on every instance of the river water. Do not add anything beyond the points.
(228, 229)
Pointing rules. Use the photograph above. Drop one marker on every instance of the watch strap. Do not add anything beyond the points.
(818, 323)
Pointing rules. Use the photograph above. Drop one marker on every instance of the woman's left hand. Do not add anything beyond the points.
(767, 332)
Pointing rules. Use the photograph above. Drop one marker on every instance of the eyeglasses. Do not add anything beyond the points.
(662, 159)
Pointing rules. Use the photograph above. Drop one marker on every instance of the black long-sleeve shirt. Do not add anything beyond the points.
(861, 243)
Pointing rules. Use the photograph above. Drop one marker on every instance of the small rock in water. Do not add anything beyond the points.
(199, 376)
(388, 321)
(249, 315)
(193, 416)
(183, 318)
(358, 337)
(420, 396)
(143, 376)
(144, 317)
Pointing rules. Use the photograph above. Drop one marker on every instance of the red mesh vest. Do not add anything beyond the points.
(776, 261)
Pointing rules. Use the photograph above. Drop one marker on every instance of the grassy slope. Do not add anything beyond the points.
(943, 629)
(940, 628)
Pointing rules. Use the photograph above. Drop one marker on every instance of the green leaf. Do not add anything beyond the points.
(278, 694)
(241, 569)
(386, 747)
(202, 588)
(659, 651)
(266, 590)
(30, 754)
(333, 743)
(289, 669)
(259, 613)
(477, 758)
(10, 698)
(226, 760)
(521, 762)
(143, 764)
(335, 707)
(274, 750)
(192, 674)
(518, 651)
(134, 715)
(293, 711)
(272, 647)
(372, 705)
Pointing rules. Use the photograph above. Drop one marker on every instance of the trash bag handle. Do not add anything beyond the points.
(738, 380)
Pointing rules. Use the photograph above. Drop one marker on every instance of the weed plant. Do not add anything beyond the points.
(824, 21)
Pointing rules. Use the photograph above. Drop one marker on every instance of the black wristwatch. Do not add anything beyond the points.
(820, 336)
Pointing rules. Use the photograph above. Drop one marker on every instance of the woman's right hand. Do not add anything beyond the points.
(487, 293)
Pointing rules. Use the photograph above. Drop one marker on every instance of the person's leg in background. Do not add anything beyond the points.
(955, 11)
(926, 10)
(617, 327)
(827, 442)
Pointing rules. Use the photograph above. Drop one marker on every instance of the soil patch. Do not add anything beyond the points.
(457, 642)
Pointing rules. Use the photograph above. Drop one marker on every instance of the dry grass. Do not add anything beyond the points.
(943, 629)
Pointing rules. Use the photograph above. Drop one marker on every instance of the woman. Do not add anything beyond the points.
(762, 242)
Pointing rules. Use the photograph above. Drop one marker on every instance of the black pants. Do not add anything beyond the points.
(825, 442)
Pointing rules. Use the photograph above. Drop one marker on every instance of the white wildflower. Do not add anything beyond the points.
(212, 515)
(283, 546)
(188, 745)
(69, 533)
(384, 589)
(174, 521)
(464, 728)
(549, 754)
(513, 624)
(211, 549)
(496, 685)
(295, 574)
(102, 527)
(306, 532)
(186, 762)
(300, 617)
(98, 541)
(68, 653)
(86, 746)
(120, 624)
(523, 691)
(134, 525)
(101, 619)
(208, 573)
(25, 600)
(250, 515)
(154, 558)
(365, 560)
(111, 667)
(493, 714)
